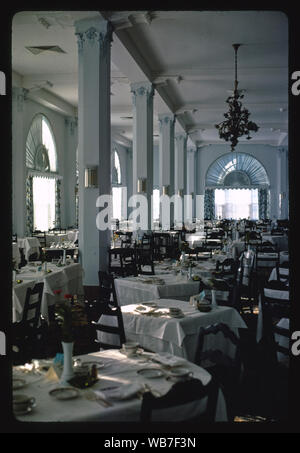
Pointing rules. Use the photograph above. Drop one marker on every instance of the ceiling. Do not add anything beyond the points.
(188, 55)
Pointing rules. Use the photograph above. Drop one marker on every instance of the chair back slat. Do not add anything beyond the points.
(32, 307)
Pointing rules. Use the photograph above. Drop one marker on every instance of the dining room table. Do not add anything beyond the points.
(117, 394)
(156, 326)
(144, 288)
(30, 245)
(66, 279)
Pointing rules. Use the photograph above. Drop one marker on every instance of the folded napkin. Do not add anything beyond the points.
(123, 392)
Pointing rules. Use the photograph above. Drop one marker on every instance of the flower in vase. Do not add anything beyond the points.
(65, 321)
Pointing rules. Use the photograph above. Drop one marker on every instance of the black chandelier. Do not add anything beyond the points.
(237, 121)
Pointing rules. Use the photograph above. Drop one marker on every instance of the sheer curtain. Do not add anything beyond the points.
(236, 203)
(43, 191)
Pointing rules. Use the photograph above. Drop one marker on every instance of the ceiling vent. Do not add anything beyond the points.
(39, 49)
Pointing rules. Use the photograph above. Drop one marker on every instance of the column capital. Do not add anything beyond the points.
(166, 118)
(89, 31)
(71, 123)
(181, 136)
(140, 89)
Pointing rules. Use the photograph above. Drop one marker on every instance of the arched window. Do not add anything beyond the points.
(43, 184)
(40, 146)
(237, 186)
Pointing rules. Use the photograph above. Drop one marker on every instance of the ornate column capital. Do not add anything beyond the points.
(165, 119)
(92, 31)
(181, 137)
(140, 89)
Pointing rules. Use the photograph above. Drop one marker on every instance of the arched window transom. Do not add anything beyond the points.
(40, 146)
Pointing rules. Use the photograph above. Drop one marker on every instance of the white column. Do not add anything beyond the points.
(94, 140)
(166, 158)
(279, 183)
(191, 178)
(180, 182)
(18, 163)
(71, 143)
(142, 152)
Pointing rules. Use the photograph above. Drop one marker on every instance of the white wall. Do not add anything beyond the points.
(267, 155)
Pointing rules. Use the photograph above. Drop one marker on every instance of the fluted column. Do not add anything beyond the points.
(142, 152)
(166, 159)
(180, 166)
(94, 142)
(191, 180)
(18, 162)
(71, 143)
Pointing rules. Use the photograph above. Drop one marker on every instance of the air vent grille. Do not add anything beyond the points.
(39, 49)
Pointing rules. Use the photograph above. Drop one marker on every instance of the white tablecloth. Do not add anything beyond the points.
(16, 256)
(73, 235)
(117, 370)
(30, 245)
(132, 289)
(67, 278)
(178, 336)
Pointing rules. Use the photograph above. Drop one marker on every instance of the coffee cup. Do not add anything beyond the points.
(130, 348)
(22, 403)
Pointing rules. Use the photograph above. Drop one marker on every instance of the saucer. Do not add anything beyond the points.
(64, 393)
(150, 373)
(25, 412)
(18, 383)
(179, 373)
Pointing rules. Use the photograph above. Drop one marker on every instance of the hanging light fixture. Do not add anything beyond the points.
(237, 121)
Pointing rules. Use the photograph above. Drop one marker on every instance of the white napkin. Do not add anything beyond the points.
(123, 392)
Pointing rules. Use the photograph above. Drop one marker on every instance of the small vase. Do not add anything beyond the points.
(213, 298)
(68, 371)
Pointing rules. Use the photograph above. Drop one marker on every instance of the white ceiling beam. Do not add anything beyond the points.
(52, 101)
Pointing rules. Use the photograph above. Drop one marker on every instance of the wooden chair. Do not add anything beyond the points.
(182, 394)
(27, 333)
(122, 261)
(264, 263)
(283, 277)
(112, 312)
(274, 308)
(226, 370)
(106, 294)
(144, 257)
